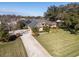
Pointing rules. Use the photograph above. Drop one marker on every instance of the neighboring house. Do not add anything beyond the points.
(53, 25)
(59, 22)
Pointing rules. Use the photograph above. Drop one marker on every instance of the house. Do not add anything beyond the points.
(40, 29)
(53, 25)
(40, 26)
(59, 22)
(40, 23)
(37, 23)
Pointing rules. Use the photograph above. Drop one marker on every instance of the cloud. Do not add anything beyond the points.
(18, 12)
(12, 11)
(7, 10)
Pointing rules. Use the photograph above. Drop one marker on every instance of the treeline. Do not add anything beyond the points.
(68, 13)
(9, 18)
(33, 17)
(8, 23)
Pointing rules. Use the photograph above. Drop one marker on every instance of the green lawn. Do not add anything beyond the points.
(12, 49)
(60, 43)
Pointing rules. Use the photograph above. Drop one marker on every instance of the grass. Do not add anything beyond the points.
(60, 43)
(12, 49)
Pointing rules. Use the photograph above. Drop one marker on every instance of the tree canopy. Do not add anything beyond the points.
(68, 13)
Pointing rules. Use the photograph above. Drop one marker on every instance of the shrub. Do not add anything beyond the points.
(46, 28)
(35, 31)
(4, 32)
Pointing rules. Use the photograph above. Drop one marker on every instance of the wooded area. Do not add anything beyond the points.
(68, 13)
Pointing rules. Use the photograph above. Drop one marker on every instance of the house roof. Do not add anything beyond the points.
(39, 22)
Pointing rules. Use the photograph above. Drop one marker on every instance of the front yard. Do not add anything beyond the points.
(60, 43)
(12, 49)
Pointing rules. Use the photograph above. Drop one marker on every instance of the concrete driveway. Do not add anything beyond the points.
(33, 47)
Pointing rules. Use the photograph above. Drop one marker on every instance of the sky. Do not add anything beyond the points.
(27, 8)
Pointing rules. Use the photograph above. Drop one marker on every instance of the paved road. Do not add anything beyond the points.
(32, 46)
